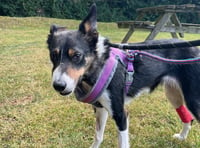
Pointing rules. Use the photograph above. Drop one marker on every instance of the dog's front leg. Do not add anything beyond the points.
(121, 119)
(101, 118)
(123, 136)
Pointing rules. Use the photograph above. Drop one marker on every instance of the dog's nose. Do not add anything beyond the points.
(59, 85)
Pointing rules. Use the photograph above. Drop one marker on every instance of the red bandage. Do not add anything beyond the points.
(184, 114)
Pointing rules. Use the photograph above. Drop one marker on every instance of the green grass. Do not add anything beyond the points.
(32, 114)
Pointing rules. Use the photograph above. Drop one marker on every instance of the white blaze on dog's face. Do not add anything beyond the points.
(72, 52)
(62, 82)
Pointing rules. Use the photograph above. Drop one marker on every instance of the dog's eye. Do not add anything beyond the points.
(77, 57)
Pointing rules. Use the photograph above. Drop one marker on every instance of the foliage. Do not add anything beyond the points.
(108, 10)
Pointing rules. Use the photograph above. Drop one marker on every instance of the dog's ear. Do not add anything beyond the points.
(89, 24)
(53, 30)
(88, 27)
(56, 28)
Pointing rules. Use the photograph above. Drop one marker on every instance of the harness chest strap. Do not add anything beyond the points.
(103, 81)
(107, 74)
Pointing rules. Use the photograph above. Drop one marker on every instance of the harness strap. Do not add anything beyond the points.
(130, 69)
(103, 80)
(107, 74)
(127, 59)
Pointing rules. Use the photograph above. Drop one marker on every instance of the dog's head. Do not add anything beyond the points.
(72, 52)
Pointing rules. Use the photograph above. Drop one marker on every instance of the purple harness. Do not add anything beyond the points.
(127, 59)
(107, 74)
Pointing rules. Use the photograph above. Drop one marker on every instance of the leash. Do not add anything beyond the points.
(181, 44)
(135, 49)
(166, 60)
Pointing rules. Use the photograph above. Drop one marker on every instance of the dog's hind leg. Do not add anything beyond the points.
(175, 96)
(101, 118)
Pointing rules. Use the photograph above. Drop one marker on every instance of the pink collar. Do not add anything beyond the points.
(107, 74)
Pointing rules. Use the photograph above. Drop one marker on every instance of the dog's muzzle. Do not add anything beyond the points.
(61, 86)
(62, 82)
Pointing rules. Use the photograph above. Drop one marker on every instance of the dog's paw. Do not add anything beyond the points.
(95, 145)
(179, 137)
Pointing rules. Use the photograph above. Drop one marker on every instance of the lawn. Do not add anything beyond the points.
(32, 114)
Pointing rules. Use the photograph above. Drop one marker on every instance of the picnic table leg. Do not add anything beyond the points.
(165, 18)
(128, 35)
(176, 22)
(173, 34)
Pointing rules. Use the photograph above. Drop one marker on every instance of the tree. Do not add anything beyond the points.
(108, 10)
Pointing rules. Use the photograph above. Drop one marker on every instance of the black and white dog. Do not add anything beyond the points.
(79, 56)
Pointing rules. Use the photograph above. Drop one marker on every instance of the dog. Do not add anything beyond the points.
(79, 57)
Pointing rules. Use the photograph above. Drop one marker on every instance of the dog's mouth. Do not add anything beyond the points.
(65, 93)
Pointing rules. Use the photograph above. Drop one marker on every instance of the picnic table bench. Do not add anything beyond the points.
(167, 21)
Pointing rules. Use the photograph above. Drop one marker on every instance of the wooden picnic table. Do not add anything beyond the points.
(167, 21)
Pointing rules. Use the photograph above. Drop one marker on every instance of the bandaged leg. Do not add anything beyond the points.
(176, 98)
(186, 118)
